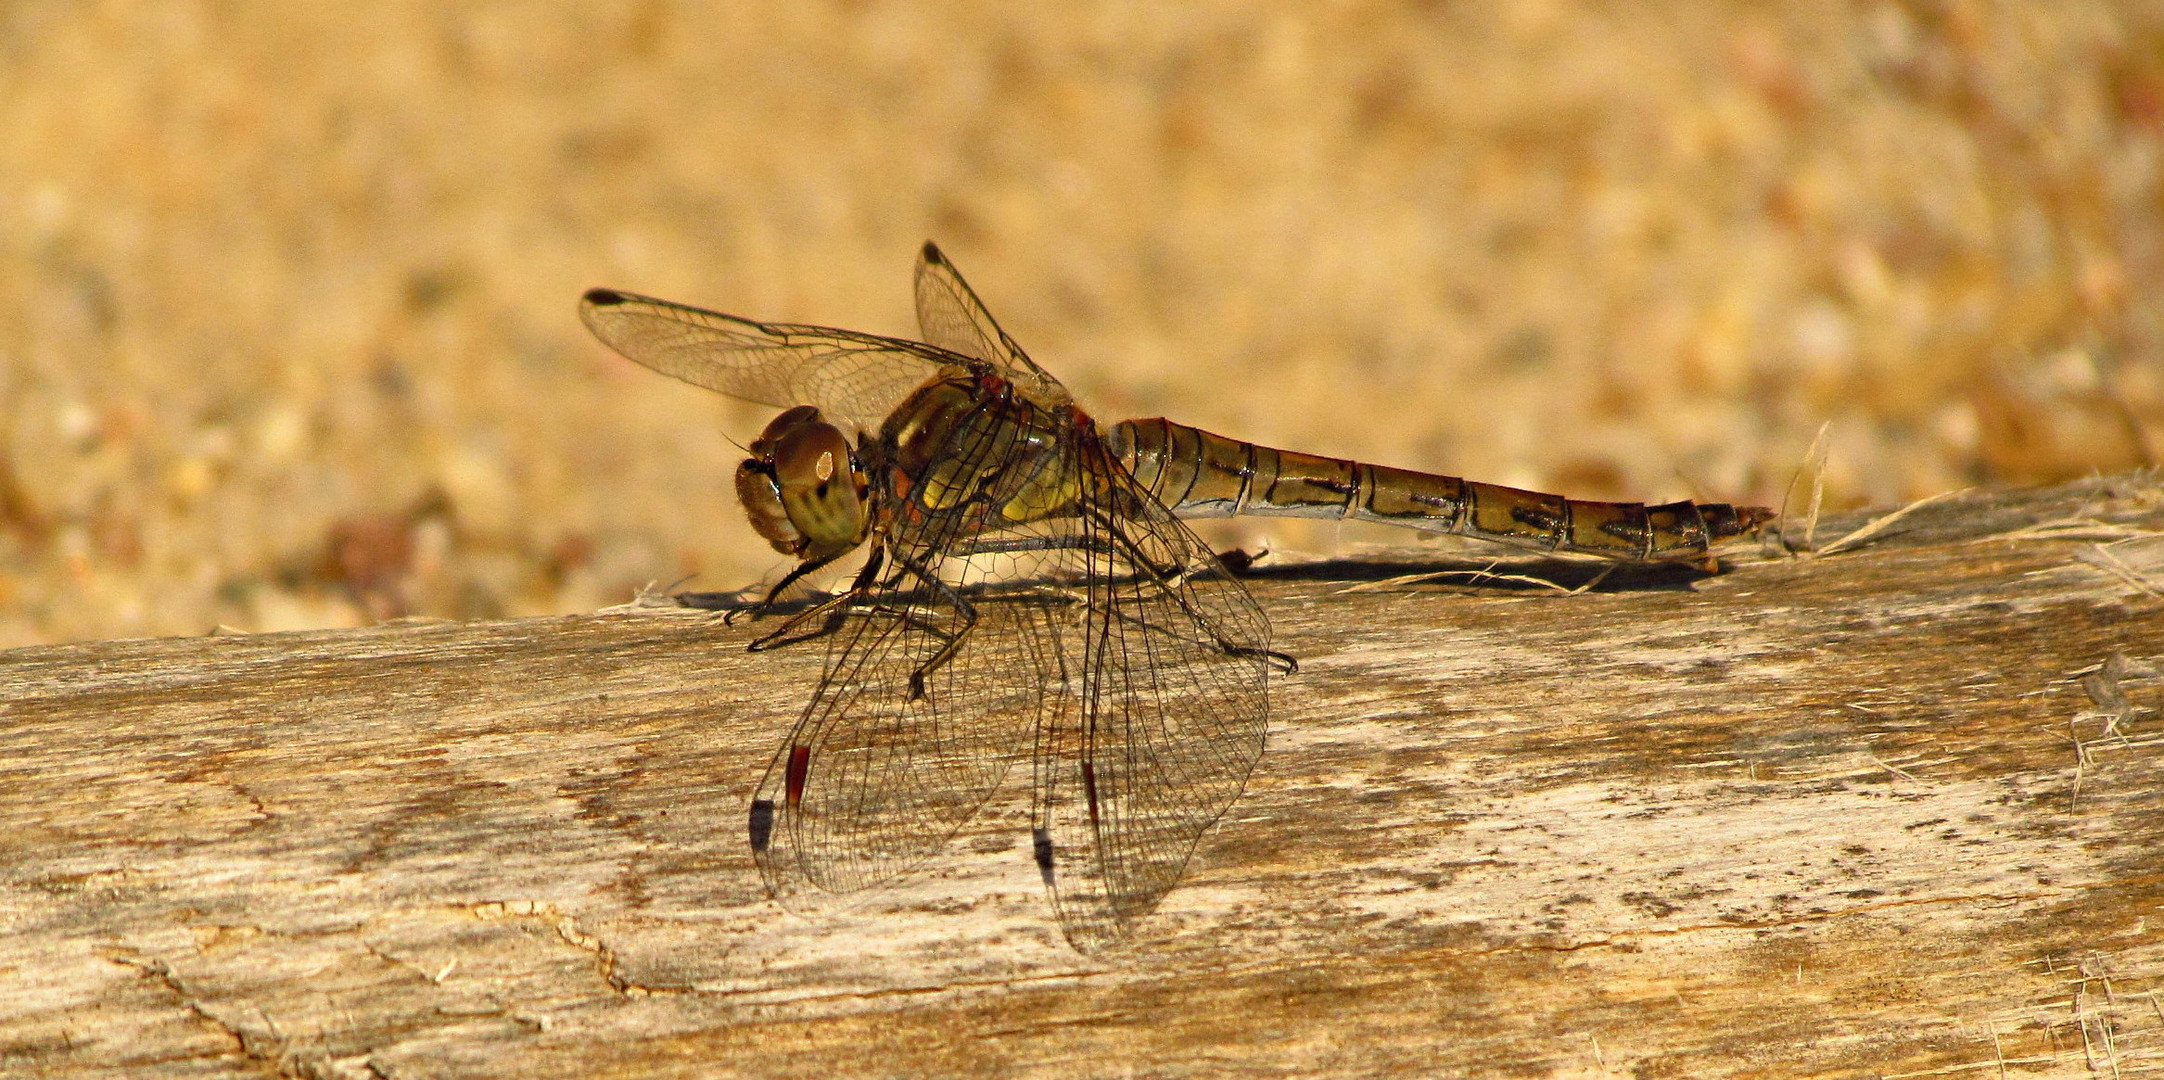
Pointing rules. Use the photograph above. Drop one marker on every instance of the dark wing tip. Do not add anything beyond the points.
(762, 824)
(1041, 850)
(605, 298)
(931, 253)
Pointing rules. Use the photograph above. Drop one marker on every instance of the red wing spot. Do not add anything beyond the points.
(799, 764)
(1089, 790)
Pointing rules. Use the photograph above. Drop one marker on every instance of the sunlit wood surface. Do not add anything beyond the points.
(1854, 815)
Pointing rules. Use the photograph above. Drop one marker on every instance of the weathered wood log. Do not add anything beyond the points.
(1893, 812)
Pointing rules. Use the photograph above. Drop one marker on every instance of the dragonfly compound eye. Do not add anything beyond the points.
(820, 488)
(761, 499)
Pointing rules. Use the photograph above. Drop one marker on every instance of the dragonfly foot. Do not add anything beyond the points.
(784, 636)
(1284, 663)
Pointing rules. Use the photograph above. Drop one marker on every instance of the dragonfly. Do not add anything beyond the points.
(1030, 592)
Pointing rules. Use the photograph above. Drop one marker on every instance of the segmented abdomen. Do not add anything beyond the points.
(1200, 474)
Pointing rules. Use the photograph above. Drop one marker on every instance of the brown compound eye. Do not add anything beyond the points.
(803, 491)
(761, 499)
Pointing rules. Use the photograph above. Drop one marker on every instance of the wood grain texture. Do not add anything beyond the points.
(1856, 815)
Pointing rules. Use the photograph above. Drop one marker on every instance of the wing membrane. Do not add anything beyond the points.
(884, 779)
(950, 316)
(1169, 720)
(851, 376)
(875, 777)
(1098, 635)
(1106, 630)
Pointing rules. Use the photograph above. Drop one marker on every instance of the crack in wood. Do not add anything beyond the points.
(162, 974)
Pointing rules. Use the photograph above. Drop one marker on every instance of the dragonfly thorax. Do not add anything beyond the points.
(803, 488)
(965, 444)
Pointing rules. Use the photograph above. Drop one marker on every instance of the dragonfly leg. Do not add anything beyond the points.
(825, 609)
(1163, 575)
(765, 605)
(1284, 663)
(965, 611)
(1006, 544)
(1167, 577)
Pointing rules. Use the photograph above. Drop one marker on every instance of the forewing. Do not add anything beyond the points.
(950, 315)
(875, 776)
(1169, 717)
(882, 779)
(854, 377)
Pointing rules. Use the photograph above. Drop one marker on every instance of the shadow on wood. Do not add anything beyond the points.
(1893, 812)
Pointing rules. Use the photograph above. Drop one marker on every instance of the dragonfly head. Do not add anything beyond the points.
(803, 488)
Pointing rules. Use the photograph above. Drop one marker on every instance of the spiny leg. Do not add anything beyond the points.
(1164, 576)
(765, 605)
(963, 610)
(823, 609)
(1010, 544)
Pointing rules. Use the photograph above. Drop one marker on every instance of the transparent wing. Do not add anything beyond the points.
(950, 316)
(872, 780)
(875, 777)
(854, 377)
(1170, 714)
(1108, 642)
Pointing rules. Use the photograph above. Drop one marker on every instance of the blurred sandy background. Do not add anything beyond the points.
(287, 330)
